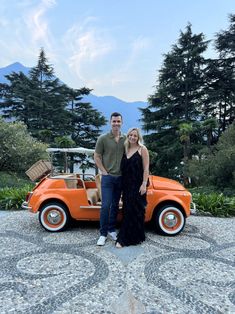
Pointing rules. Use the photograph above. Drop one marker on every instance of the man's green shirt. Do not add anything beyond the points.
(111, 152)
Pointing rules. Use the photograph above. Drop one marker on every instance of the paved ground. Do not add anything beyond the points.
(46, 273)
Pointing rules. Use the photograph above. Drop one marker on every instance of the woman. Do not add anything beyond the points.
(135, 171)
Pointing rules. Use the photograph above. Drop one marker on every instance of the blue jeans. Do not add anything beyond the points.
(111, 188)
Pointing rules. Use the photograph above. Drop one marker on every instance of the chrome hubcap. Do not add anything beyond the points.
(170, 220)
(54, 217)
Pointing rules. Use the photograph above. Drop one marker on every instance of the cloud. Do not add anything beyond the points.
(100, 61)
(25, 29)
(137, 47)
(86, 54)
(37, 24)
(90, 48)
(140, 44)
(86, 46)
(125, 72)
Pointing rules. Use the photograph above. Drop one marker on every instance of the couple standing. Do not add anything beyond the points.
(124, 165)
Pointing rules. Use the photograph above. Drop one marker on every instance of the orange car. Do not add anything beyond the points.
(60, 198)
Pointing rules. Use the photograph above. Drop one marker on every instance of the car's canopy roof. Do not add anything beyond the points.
(80, 150)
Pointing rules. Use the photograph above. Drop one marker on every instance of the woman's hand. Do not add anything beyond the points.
(143, 188)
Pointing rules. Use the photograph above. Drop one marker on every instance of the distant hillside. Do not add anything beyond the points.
(108, 104)
(105, 104)
(14, 67)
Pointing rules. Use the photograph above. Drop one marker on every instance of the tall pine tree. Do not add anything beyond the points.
(85, 124)
(220, 80)
(53, 112)
(38, 100)
(16, 100)
(50, 101)
(176, 101)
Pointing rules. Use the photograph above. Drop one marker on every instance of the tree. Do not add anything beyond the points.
(85, 125)
(39, 101)
(86, 122)
(49, 108)
(16, 97)
(220, 80)
(209, 129)
(18, 149)
(177, 100)
(225, 45)
(216, 168)
(50, 100)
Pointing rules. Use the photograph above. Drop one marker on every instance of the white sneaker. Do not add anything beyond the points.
(113, 235)
(101, 241)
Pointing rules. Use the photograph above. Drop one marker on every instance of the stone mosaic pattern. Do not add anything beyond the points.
(66, 272)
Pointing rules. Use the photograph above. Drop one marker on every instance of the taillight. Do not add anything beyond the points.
(28, 196)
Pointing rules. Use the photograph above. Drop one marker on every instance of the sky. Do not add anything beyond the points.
(114, 47)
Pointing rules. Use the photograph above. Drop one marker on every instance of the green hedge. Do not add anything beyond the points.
(12, 198)
(13, 190)
(215, 204)
(12, 179)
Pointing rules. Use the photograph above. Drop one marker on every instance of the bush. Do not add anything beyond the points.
(11, 179)
(226, 191)
(216, 204)
(216, 168)
(203, 190)
(19, 150)
(12, 198)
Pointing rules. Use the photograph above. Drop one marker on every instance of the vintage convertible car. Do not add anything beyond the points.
(60, 198)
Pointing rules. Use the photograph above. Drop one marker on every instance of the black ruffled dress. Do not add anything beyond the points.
(132, 225)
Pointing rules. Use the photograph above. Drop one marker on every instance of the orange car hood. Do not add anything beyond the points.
(160, 183)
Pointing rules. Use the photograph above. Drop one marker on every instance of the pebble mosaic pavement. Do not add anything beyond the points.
(61, 273)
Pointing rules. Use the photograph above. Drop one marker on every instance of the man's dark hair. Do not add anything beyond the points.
(115, 114)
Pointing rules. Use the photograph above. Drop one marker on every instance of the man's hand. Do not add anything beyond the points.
(98, 161)
(104, 173)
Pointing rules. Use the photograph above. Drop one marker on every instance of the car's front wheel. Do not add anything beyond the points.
(54, 217)
(169, 220)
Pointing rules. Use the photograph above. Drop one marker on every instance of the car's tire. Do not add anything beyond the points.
(54, 217)
(169, 220)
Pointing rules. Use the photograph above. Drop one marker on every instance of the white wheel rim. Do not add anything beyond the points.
(171, 220)
(53, 218)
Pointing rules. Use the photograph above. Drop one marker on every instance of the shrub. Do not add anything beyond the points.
(215, 204)
(216, 168)
(203, 189)
(11, 179)
(19, 150)
(12, 198)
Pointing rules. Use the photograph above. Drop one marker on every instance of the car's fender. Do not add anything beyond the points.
(38, 200)
(156, 198)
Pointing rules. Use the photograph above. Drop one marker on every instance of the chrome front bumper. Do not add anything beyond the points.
(193, 208)
(25, 206)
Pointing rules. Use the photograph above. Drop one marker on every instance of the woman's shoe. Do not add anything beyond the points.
(118, 245)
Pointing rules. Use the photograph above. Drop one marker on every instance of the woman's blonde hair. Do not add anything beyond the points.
(140, 138)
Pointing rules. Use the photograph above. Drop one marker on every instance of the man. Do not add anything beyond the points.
(108, 154)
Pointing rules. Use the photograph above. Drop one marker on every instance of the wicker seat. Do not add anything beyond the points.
(98, 185)
(92, 196)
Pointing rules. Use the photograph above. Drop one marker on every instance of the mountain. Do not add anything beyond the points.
(104, 104)
(108, 104)
(14, 67)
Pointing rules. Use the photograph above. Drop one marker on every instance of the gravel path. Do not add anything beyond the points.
(66, 272)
